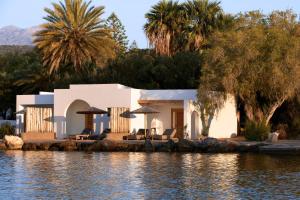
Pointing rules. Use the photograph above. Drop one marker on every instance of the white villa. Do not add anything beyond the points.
(56, 112)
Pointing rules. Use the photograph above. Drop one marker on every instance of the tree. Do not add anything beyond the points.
(133, 45)
(164, 23)
(118, 33)
(74, 34)
(173, 27)
(257, 61)
(203, 17)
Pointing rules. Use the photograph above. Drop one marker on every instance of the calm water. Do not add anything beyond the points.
(77, 175)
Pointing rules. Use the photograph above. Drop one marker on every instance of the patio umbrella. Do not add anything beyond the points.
(92, 110)
(145, 110)
(21, 111)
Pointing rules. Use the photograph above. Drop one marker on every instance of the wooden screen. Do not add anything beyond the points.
(119, 120)
(39, 119)
(89, 121)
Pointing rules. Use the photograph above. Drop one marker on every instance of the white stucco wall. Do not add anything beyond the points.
(104, 96)
(162, 120)
(100, 96)
(223, 124)
(25, 100)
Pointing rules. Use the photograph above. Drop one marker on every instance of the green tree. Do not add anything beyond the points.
(173, 27)
(133, 45)
(203, 17)
(164, 23)
(118, 33)
(74, 35)
(257, 61)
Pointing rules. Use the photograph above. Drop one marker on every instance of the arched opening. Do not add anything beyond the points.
(75, 123)
(194, 125)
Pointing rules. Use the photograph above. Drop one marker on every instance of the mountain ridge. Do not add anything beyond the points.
(13, 35)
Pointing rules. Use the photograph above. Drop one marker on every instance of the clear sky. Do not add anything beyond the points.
(27, 13)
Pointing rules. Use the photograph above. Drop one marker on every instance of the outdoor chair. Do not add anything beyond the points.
(140, 135)
(167, 135)
(99, 136)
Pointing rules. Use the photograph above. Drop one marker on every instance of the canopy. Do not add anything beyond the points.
(144, 110)
(21, 111)
(92, 110)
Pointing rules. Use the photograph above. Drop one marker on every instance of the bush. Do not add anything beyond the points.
(256, 131)
(6, 129)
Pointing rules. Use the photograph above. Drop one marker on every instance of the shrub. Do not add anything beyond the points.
(256, 131)
(6, 129)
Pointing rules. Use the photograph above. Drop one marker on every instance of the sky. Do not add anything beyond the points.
(27, 13)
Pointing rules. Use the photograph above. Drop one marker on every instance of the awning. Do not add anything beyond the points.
(92, 110)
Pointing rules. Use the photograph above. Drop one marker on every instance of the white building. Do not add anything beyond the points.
(57, 111)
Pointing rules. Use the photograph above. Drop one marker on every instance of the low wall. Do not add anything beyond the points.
(31, 136)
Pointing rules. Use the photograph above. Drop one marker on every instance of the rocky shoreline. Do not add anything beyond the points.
(208, 145)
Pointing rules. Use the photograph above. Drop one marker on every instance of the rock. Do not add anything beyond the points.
(208, 144)
(185, 145)
(54, 147)
(13, 142)
(29, 147)
(68, 146)
(44, 146)
(273, 137)
(108, 145)
(148, 146)
(2, 146)
(169, 146)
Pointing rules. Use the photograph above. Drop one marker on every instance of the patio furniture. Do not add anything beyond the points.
(145, 110)
(84, 135)
(99, 136)
(167, 135)
(140, 135)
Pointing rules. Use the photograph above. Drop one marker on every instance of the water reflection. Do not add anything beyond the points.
(77, 175)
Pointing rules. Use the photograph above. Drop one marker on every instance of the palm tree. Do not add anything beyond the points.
(163, 25)
(203, 17)
(74, 35)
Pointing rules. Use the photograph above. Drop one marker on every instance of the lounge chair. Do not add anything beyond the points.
(140, 135)
(167, 134)
(99, 136)
(83, 135)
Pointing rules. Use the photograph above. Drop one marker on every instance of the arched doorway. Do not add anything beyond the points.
(194, 124)
(75, 123)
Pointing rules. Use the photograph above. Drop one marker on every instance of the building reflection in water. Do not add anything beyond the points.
(79, 175)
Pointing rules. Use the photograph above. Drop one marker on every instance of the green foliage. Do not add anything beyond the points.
(175, 27)
(118, 33)
(257, 61)
(6, 129)
(74, 35)
(145, 69)
(256, 131)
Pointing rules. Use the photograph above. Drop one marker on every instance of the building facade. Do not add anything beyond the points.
(57, 111)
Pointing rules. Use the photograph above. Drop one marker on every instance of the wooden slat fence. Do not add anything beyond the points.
(39, 119)
(119, 120)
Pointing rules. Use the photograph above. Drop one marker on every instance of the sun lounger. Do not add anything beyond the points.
(167, 134)
(140, 135)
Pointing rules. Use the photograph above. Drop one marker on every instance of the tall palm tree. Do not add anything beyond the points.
(74, 35)
(163, 25)
(203, 17)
